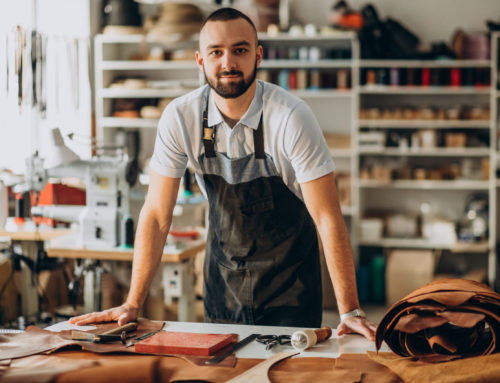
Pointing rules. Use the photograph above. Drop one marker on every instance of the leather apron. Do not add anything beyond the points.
(262, 257)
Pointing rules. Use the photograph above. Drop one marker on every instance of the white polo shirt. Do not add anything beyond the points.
(292, 136)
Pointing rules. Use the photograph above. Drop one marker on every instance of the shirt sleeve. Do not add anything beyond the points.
(305, 145)
(169, 155)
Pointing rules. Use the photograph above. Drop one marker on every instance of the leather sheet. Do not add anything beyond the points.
(478, 369)
(443, 320)
(36, 340)
(348, 368)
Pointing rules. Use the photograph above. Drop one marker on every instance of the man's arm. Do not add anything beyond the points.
(152, 229)
(320, 197)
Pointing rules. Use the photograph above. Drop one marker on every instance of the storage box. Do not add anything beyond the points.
(406, 271)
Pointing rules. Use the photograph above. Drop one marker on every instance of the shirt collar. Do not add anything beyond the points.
(252, 116)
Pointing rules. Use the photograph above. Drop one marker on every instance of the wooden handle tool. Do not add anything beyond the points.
(304, 339)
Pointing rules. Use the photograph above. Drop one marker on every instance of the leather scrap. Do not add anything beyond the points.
(443, 320)
(478, 369)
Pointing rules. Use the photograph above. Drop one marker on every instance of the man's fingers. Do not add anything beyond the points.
(105, 316)
(359, 326)
(125, 318)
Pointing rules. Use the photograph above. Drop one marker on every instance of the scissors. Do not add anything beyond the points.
(272, 340)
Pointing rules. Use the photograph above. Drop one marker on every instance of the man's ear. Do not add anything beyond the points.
(259, 53)
(199, 60)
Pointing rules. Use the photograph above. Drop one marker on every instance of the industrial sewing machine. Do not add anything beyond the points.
(107, 181)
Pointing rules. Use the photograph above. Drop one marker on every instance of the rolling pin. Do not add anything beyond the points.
(303, 339)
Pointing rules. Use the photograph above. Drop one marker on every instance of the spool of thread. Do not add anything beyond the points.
(292, 79)
(426, 77)
(342, 79)
(410, 77)
(303, 339)
(394, 77)
(382, 76)
(455, 77)
(314, 53)
(301, 79)
(315, 80)
(283, 78)
(370, 77)
(303, 53)
(127, 232)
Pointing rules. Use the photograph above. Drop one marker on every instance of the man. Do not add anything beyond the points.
(261, 160)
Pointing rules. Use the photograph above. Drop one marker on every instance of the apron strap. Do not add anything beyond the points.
(258, 141)
(208, 137)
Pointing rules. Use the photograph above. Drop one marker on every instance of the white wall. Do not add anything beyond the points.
(431, 20)
(22, 130)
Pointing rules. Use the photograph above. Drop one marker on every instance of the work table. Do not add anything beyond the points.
(331, 348)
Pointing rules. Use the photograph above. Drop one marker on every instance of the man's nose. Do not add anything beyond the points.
(228, 61)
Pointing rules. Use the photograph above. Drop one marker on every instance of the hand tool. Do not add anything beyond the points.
(118, 333)
(145, 336)
(224, 354)
(304, 339)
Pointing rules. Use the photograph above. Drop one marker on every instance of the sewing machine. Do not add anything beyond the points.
(107, 181)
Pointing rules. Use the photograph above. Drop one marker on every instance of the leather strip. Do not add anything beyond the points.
(443, 320)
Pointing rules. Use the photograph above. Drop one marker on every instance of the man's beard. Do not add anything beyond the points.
(231, 89)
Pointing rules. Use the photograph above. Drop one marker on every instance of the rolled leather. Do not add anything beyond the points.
(443, 320)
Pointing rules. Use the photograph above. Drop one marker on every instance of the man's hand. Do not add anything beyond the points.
(123, 314)
(357, 325)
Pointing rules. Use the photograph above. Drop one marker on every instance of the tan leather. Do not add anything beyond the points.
(36, 340)
(124, 368)
(443, 320)
(479, 369)
(40, 369)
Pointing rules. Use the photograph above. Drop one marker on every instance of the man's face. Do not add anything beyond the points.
(229, 56)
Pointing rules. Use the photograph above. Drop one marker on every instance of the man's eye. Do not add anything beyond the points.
(240, 51)
(215, 53)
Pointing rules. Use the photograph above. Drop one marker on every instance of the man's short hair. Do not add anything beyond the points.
(225, 14)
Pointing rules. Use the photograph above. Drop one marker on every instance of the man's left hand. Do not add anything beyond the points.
(357, 325)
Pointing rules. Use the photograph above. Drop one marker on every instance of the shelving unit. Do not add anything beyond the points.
(445, 197)
(338, 112)
(326, 55)
(113, 60)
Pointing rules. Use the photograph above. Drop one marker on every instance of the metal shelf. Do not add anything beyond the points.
(147, 65)
(341, 153)
(117, 122)
(436, 124)
(427, 90)
(425, 63)
(141, 93)
(139, 38)
(421, 243)
(323, 93)
(304, 64)
(425, 185)
(327, 37)
(436, 152)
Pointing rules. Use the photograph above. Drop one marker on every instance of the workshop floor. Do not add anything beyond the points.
(373, 312)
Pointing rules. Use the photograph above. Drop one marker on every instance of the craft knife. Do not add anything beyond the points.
(235, 347)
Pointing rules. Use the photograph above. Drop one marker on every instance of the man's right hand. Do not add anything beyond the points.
(123, 314)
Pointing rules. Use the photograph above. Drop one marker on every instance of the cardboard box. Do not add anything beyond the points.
(406, 271)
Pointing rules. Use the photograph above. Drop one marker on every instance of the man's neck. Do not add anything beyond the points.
(232, 109)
